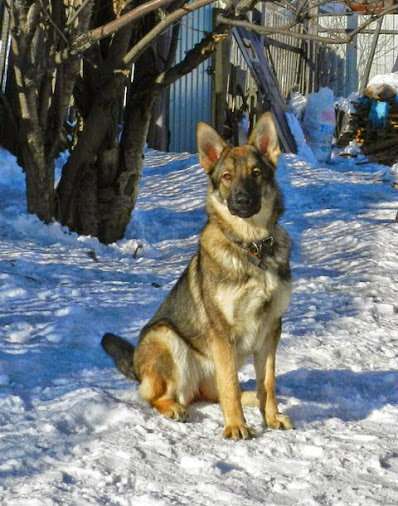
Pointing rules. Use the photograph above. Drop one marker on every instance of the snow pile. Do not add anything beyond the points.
(74, 432)
(303, 149)
(389, 79)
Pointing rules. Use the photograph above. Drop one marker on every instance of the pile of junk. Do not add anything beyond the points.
(371, 120)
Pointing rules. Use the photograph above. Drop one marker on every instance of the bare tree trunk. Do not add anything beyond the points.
(39, 173)
(93, 164)
(39, 187)
(116, 202)
(8, 119)
(99, 184)
(42, 92)
(76, 197)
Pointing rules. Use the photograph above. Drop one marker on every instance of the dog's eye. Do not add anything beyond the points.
(227, 177)
(256, 172)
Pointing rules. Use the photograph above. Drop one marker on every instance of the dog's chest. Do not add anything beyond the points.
(252, 307)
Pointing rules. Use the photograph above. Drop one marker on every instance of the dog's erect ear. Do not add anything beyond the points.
(264, 137)
(210, 146)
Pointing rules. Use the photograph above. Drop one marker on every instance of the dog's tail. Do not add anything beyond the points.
(122, 353)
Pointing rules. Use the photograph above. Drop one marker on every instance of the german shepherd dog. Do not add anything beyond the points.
(228, 303)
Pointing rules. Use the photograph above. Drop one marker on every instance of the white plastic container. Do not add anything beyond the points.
(319, 123)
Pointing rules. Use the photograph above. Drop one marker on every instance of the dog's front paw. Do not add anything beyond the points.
(238, 431)
(279, 421)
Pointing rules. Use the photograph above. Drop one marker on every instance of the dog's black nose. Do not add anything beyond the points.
(242, 199)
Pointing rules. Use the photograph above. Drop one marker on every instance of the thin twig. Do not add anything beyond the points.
(53, 23)
(76, 14)
(286, 29)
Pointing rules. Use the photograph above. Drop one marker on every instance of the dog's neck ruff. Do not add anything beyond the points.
(257, 251)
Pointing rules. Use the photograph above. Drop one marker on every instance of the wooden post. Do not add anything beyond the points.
(395, 66)
(366, 74)
(222, 66)
(312, 45)
(351, 60)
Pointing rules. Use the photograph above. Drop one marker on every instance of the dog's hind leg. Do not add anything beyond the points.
(159, 393)
(163, 369)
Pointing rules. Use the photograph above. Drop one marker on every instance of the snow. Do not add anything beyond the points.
(303, 149)
(390, 79)
(74, 432)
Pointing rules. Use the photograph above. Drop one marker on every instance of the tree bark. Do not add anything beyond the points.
(99, 185)
(90, 160)
(39, 172)
(116, 202)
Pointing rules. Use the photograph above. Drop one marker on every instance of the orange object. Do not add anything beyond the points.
(369, 6)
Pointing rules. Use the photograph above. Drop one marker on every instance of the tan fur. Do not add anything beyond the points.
(224, 308)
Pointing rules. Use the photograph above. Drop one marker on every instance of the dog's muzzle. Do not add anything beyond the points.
(243, 204)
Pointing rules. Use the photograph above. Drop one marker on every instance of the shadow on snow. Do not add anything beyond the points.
(337, 393)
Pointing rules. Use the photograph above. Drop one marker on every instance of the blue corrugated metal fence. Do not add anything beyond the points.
(191, 96)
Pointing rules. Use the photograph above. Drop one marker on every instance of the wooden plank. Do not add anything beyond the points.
(252, 47)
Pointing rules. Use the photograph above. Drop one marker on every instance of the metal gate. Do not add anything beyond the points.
(191, 96)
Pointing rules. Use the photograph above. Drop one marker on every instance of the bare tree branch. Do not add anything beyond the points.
(77, 13)
(52, 22)
(287, 29)
(198, 54)
(86, 40)
(172, 18)
(245, 6)
(371, 20)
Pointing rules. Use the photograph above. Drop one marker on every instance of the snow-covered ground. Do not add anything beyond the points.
(72, 430)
